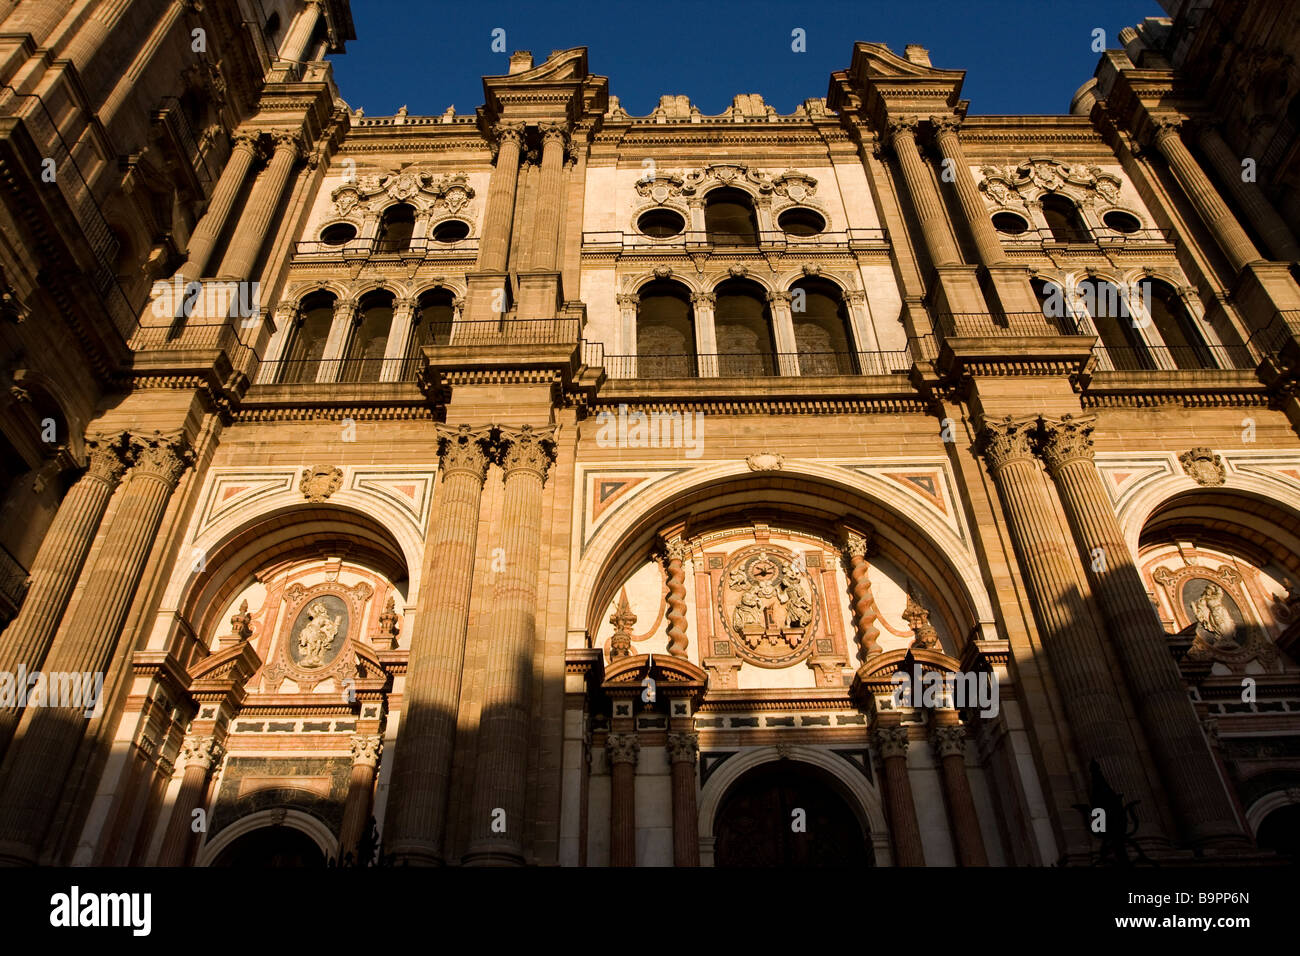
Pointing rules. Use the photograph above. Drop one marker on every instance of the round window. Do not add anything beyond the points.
(660, 223)
(801, 222)
(338, 234)
(1009, 223)
(1121, 222)
(450, 230)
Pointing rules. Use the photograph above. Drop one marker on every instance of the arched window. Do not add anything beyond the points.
(821, 328)
(364, 358)
(395, 228)
(310, 332)
(1051, 300)
(434, 312)
(1063, 219)
(1186, 347)
(729, 218)
(1115, 325)
(742, 325)
(665, 331)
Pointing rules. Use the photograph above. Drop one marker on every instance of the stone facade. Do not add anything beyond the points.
(550, 485)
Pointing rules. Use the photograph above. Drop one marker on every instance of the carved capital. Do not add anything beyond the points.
(704, 298)
(288, 141)
(944, 125)
(682, 748)
(1006, 440)
(622, 748)
(249, 139)
(1066, 439)
(200, 751)
(463, 449)
(626, 301)
(1162, 127)
(504, 133)
(107, 459)
(554, 133)
(948, 741)
(855, 541)
(890, 741)
(674, 548)
(528, 449)
(366, 749)
(161, 456)
(784, 297)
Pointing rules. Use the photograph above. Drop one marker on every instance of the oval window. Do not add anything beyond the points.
(450, 230)
(801, 222)
(1121, 222)
(338, 234)
(660, 223)
(1009, 223)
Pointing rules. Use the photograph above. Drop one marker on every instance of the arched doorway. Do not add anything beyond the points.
(268, 847)
(755, 825)
(1280, 832)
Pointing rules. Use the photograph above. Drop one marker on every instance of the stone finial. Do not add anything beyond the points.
(240, 621)
(620, 644)
(915, 53)
(520, 61)
(918, 619)
(387, 631)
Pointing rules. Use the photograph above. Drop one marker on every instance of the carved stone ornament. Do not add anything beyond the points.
(682, 748)
(769, 605)
(622, 748)
(1204, 466)
(1212, 602)
(918, 619)
(948, 741)
(794, 185)
(528, 449)
(463, 449)
(620, 645)
(366, 749)
(1007, 439)
(447, 194)
(320, 481)
(319, 629)
(1066, 439)
(891, 741)
(765, 461)
(698, 181)
(660, 188)
(1029, 181)
(161, 455)
(200, 751)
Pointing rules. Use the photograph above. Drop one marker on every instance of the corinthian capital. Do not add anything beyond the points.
(161, 456)
(107, 457)
(200, 751)
(948, 741)
(945, 124)
(289, 141)
(891, 741)
(1165, 126)
(622, 748)
(504, 133)
(463, 449)
(704, 298)
(528, 449)
(1066, 439)
(855, 540)
(554, 133)
(249, 139)
(366, 749)
(1008, 439)
(901, 124)
(682, 748)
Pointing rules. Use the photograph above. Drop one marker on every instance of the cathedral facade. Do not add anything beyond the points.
(876, 484)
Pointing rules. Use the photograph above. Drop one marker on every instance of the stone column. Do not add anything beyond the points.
(925, 199)
(682, 751)
(92, 33)
(427, 730)
(494, 245)
(787, 347)
(546, 233)
(27, 639)
(621, 750)
(361, 793)
(891, 742)
(1074, 649)
(201, 754)
(855, 543)
(130, 80)
(674, 553)
(627, 310)
(972, 204)
(948, 737)
(706, 339)
(263, 201)
(1223, 225)
(45, 744)
(300, 33)
(206, 235)
(501, 768)
(1173, 731)
(399, 342)
(1277, 235)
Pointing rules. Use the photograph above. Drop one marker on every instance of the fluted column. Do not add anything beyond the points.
(130, 80)
(501, 768)
(1277, 235)
(263, 201)
(494, 246)
(683, 748)
(972, 205)
(891, 743)
(27, 639)
(47, 738)
(948, 737)
(427, 730)
(855, 542)
(621, 749)
(546, 235)
(295, 45)
(366, 749)
(208, 232)
(1074, 650)
(92, 33)
(674, 553)
(201, 754)
(925, 198)
(1223, 224)
(1173, 731)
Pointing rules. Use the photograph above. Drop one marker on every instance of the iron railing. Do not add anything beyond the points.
(556, 331)
(1280, 329)
(354, 249)
(315, 371)
(1152, 358)
(982, 324)
(746, 364)
(767, 239)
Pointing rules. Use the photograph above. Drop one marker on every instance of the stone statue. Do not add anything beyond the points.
(1213, 618)
(317, 636)
(798, 609)
(747, 611)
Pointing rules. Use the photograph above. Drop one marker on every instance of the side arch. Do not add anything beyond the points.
(314, 828)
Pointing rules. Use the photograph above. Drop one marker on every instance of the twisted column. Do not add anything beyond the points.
(683, 748)
(206, 235)
(674, 552)
(1074, 649)
(366, 749)
(45, 744)
(422, 763)
(1223, 224)
(925, 198)
(891, 743)
(1173, 731)
(494, 246)
(949, 742)
(263, 201)
(987, 244)
(27, 639)
(621, 750)
(501, 769)
(201, 754)
(855, 542)
(1276, 233)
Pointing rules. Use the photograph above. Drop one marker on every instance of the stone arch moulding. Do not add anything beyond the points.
(1258, 811)
(595, 558)
(699, 182)
(316, 829)
(861, 796)
(633, 284)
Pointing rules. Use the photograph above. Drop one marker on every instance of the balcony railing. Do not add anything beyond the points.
(181, 335)
(507, 332)
(425, 248)
(1152, 358)
(1281, 329)
(746, 364)
(768, 239)
(983, 324)
(339, 371)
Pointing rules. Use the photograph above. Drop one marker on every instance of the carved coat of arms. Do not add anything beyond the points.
(769, 605)
(320, 481)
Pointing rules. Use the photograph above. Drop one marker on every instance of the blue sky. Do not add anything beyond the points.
(424, 55)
